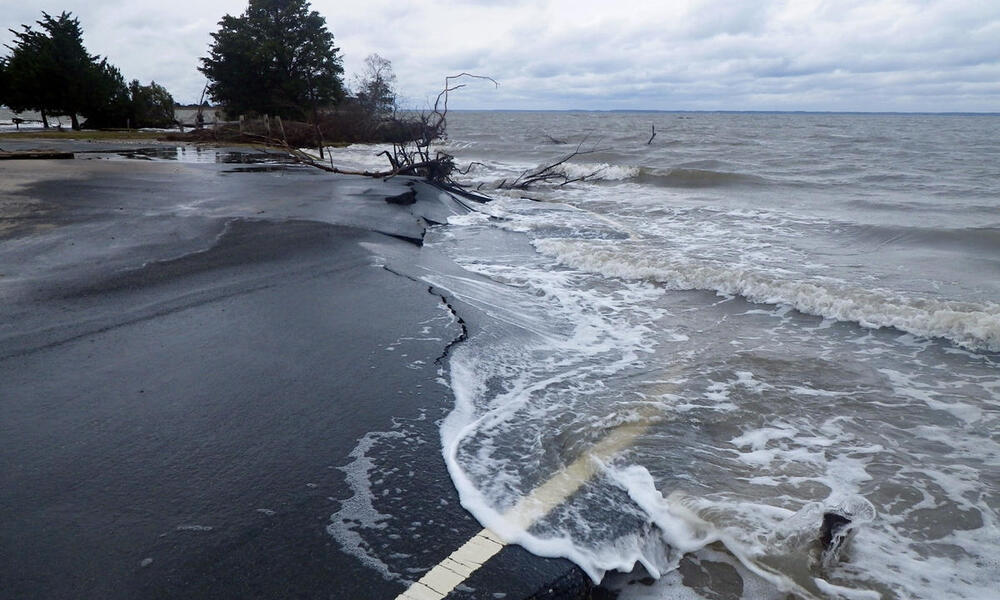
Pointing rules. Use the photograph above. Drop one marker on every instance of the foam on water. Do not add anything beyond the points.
(356, 157)
(598, 171)
(526, 407)
(636, 355)
(974, 325)
(358, 512)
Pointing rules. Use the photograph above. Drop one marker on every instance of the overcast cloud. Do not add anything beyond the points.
(903, 55)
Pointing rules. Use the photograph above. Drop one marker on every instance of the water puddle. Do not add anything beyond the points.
(195, 154)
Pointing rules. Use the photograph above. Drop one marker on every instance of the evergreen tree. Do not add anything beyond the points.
(3, 82)
(105, 101)
(26, 69)
(276, 58)
(50, 71)
(152, 105)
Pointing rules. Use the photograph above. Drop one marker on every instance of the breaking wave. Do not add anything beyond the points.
(599, 171)
(603, 418)
(968, 324)
(679, 177)
(674, 177)
(972, 239)
(697, 178)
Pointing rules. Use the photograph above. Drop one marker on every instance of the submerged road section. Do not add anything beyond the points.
(190, 355)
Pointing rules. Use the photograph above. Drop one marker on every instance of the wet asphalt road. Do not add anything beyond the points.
(188, 354)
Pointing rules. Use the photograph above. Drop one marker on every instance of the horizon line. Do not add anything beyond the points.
(676, 111)
(724, 111)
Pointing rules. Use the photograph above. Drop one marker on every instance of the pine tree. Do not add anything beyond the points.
(4, 85)
(152, 105)
(277, 58)
(27, 70)
(49, 70)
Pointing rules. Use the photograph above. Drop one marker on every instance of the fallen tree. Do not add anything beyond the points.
(411, 153)
(552, 174)
(413, 156)
(411, 138)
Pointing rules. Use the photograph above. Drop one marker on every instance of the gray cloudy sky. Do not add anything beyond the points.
(878, 55)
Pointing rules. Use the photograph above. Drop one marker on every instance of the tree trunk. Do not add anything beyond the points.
(45, 120)
(74, 121)
(319, 134)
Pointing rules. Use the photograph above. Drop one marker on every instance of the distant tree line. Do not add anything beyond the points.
(50, 71)
(275, 59)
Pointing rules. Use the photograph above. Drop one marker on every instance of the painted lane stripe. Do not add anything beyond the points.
(462, 563)
(566, 482)
(445, 577)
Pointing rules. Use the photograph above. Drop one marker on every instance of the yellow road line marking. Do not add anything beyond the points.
(462, 563)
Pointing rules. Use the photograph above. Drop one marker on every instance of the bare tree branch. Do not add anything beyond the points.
(551, 174)
(469, 167)
(413, 157)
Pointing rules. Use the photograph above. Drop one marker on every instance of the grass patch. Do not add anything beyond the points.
(95, 135)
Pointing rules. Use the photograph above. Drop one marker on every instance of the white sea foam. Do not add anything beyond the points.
(358, 512)
(356, 157)
(753, 422)
(194, 528)
(572, 339)
(973, 325)
(782, 455)
(597, 171)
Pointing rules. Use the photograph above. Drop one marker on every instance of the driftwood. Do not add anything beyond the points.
(551, 174)
(469, 167)
(652, 129)
(413, 157)
(199, 119)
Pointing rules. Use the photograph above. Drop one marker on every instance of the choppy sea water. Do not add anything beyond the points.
(744, 324)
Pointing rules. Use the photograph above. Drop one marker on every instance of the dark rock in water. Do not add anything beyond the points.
(406, 198)
(830, 535)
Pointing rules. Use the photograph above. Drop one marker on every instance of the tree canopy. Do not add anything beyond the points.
(105, 102)
(151, 105)
(375, 88)
(276, 58)
(49, 70)
(45, 66)
(3, 82)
